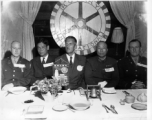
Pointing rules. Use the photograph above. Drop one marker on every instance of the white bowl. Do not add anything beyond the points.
(80, 104)
(17, 90)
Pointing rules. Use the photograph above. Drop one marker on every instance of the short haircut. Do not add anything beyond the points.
(44, 41)
(15, 42)
(135, 40)
(71, 37)
(101, 42)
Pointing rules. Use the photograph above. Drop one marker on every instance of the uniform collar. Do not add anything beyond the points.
(15, 61)
(100, 60)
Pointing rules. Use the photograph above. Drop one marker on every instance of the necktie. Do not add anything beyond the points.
(70, 61)
(43, 61)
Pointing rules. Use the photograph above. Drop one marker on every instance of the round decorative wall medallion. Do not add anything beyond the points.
(88, 21)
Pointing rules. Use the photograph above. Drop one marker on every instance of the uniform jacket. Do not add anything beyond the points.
(98, 71)
(38, 71)
(17, 76)
(76, 72)
(129, 72)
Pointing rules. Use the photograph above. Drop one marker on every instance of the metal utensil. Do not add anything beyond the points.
(127, 93)
(113, 108)
(105, 108)
(86, 95)
(8, 92)
(99, 96)
(69, 107)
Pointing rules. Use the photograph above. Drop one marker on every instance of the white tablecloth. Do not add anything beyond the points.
(13, 107)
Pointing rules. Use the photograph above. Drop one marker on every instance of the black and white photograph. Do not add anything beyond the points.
(75, 60)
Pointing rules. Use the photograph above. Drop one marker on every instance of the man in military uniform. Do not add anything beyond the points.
(76, 64)
(101, 70)
(42, 66)
(133, 68)
(15, 69)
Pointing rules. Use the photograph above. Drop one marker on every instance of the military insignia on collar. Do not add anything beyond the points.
(108, 65)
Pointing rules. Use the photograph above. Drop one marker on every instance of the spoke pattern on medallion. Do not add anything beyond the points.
(68, 30)
(91, 30)
(68, 16)
(80, 10)
(92, 16)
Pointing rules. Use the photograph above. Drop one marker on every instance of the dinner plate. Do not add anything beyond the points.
(109, 90)
(139, 106)
(60, 108)
(17, 90)
(80, 105)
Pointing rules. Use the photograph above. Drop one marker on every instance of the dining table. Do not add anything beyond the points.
(15, 106)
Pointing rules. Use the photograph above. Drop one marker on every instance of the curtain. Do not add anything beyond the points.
(29, 11)
(11, 26)
(125, 13)
(141, 34)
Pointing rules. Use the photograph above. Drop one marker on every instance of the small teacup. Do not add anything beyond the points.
(129, 99)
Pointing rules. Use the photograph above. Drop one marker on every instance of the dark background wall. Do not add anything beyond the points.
(41, 28)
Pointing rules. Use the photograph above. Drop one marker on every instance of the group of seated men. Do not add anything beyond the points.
(127, 73)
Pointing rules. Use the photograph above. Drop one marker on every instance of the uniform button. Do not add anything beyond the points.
(13, 75)
(13, 79)
(136, 75)
(13, 70)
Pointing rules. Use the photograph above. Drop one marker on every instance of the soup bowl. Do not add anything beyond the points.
(80, 104)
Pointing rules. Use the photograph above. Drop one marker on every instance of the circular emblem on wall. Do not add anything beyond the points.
(88, 21)
(64, 69)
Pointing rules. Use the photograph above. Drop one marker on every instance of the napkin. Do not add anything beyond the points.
(35, 112)
(102, 84)
(109, 90)
(35, 109)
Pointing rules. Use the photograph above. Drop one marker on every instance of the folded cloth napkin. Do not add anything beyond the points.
(102, 84)
(35, 109)
(109, 90)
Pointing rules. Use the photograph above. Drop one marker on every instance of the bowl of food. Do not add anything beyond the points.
(17, 90)
(80, 104)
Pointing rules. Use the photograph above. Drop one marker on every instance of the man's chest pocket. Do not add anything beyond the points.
(96, 72)
(6, 72)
